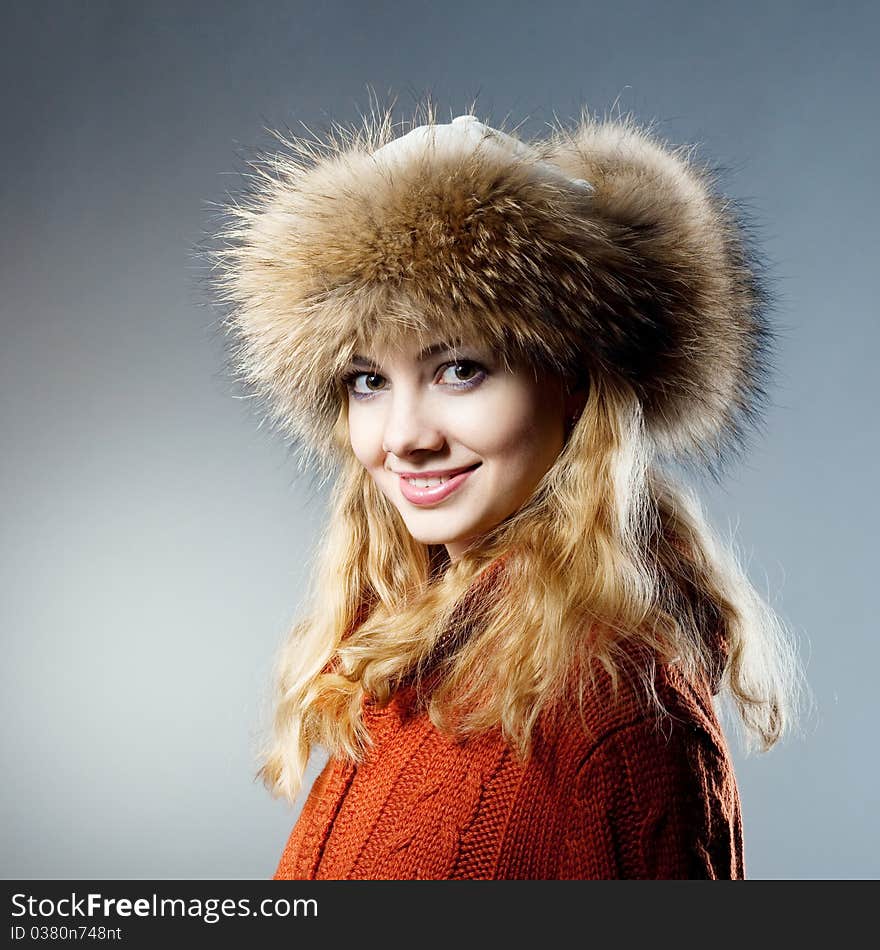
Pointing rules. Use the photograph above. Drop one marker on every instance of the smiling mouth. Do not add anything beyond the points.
(433, 481)
(420, 490)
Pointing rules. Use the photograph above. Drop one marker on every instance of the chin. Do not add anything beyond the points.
(429, 537)
(424, 535)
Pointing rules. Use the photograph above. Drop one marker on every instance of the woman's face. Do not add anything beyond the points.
(453, 440)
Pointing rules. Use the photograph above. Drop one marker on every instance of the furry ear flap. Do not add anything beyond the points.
(597, 249)
(685, 300)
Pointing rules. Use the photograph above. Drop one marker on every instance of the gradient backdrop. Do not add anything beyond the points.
(155, 541)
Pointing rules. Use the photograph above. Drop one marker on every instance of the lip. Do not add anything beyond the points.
(432, 496)
(438, 472)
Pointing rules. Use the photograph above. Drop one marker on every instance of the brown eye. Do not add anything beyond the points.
(364, 384)
(463, 374)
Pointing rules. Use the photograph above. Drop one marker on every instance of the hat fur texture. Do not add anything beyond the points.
(597, 249)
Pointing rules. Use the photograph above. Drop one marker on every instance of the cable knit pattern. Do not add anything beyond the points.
(624, 800)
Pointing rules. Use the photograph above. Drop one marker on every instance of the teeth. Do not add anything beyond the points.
(427, 482)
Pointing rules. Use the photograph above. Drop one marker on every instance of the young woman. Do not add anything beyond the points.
(519, 620)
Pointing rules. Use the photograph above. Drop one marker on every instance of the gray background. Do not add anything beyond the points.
(155, 541)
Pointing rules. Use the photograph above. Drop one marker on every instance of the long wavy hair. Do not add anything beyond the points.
(609, 555)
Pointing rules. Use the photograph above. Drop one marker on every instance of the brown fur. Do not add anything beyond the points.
(648, 277)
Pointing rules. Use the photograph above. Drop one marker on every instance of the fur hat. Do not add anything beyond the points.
(598, 249)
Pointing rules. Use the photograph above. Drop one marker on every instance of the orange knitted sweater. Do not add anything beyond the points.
(624, 799)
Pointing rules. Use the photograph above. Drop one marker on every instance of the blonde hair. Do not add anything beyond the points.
(608, 554)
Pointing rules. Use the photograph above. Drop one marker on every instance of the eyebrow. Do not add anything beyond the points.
(424, 354)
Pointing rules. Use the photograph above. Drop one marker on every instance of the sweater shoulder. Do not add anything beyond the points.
(660, 698)
(622, 787)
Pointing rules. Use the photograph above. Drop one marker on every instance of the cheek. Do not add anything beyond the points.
(365, 438)
(525, 430)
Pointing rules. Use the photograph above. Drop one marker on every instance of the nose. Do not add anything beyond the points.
(410, 426)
